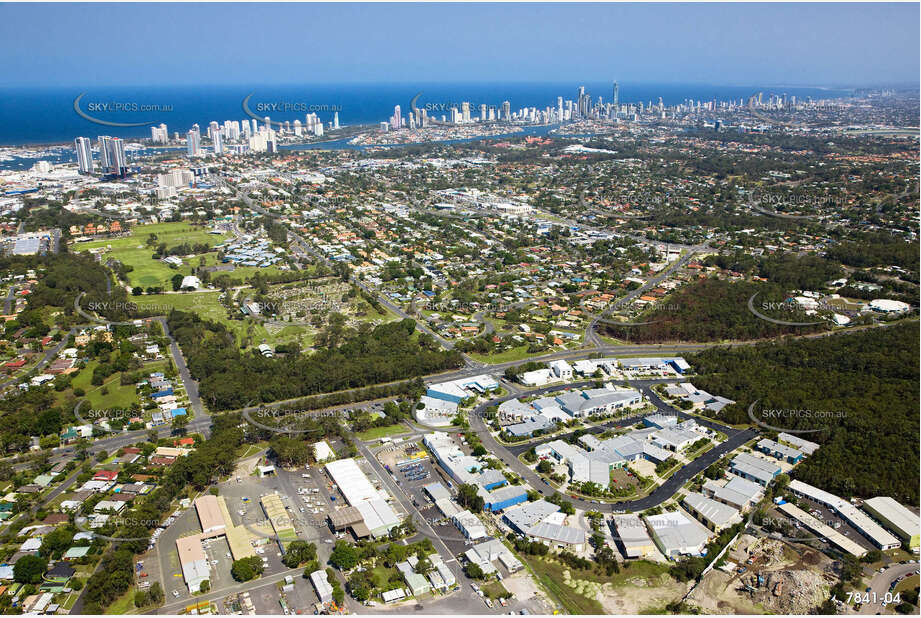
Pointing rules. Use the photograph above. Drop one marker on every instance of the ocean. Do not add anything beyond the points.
(41, 118)
(46, 116)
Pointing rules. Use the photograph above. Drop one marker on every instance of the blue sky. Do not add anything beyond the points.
(171, 44)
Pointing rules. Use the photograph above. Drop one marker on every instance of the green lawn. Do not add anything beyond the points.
(207, 306)
(519, 353)
(376, 433)
(382, 575)
(495, 590)
(118, 396)
(133, 251)
(909, 583)
(123, 605)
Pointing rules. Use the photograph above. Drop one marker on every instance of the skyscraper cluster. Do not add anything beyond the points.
(112, 157)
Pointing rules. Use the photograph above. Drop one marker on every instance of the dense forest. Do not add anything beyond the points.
(801, 272)
(712, 310)
(230, 378)
(876, 249)
(66, 276)
(860, 388)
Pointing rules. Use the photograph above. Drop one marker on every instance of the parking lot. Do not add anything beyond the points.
(830, 518)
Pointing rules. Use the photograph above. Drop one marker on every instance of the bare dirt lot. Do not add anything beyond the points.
(795, 580)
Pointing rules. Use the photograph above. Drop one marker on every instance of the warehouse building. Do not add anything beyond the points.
(754, 468)
(588, 367)
(194, 563)
(715, 515)
(590, 402)
(660, 421)
(675, 438)
(504, 497)
(376, 513)
(561, 369)
(631, 536)
(522, 518)
(847, 511)
(349, 517)
(322, 586)
(558, 536)
(780, 451)
(469, 525)
(215, 521)
(804, 445)
(896, 518)
(737, 492)
(458, 390)
(542, 521)
(488, 552)
(677, 534)
(644, 364)
(278, 516)
(435, 412)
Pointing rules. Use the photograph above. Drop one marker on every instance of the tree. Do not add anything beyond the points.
(298, 553)
(205, 586)
(474, 571)
(29, 569)
(156, 593)
(246, 569)
(344, 556)
(177, 282)
(180, 423)
(468, 497)
(58, 539)
(424, 566)
(544, 467)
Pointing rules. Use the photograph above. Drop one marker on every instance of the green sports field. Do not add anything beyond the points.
(133, 251)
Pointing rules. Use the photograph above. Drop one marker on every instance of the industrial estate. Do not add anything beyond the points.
(585, 355)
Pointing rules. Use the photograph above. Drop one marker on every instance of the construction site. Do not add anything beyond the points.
(763, 575)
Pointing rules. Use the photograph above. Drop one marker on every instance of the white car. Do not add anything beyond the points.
(176, 593)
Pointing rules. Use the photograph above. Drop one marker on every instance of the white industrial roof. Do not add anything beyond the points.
(903, 521)
(558, 533)
(631, 531)
(679, 533)
(717, 513)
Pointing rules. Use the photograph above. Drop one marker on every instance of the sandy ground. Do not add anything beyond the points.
(640, 595)
(644, 468)
(523, 588)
